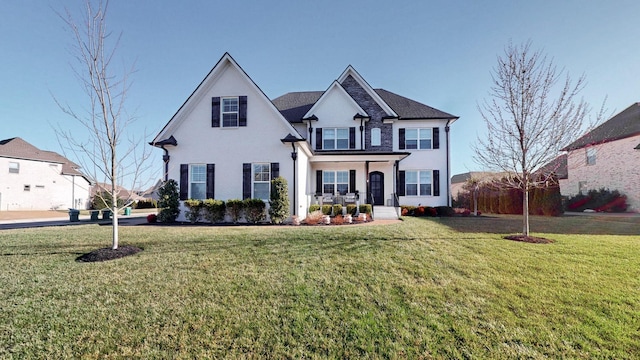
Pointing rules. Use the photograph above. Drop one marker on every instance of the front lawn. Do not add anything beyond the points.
(426, 288)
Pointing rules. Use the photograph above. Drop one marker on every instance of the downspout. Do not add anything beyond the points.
(361, 134)
(165, 158)
(446, 130)
(294, 156)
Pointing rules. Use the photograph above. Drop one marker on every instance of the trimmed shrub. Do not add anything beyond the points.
(602, 200)
(408, 210)
(151, 218)
(365, 209)
(337, 209)
(195, 209)
(254, 210)
(352, 209)
(314, 207)
(235, 209)
(169, 201)
(419, 211)
(146, 204)
(214, 210)
(444, 211)
(326, 209)
(337, 220)
(279, 200)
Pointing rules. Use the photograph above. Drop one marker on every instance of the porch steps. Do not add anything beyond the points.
(385, 213)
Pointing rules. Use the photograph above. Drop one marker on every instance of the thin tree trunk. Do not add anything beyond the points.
(115, 228)
(525, 211)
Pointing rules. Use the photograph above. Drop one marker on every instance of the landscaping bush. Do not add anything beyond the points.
(352, 209)
(337, 209)
(408, 210)
(602, 200)
(169, 201)
(195, 209)
(146, 204)
(254, 210)
(235, 209)
(419, 211)
(337, 220)
(214, 210)
(279, 200)
(314, 217)
(326, 209)
(151, 218)
(443, 211)
(365, 209)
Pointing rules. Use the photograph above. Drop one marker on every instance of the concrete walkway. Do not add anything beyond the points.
(129, 220)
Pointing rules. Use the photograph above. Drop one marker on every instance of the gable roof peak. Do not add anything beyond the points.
(350, 71)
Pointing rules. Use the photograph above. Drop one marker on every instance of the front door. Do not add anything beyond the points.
(376, 185)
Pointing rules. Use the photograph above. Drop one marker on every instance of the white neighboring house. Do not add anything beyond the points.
(228, 140)
(607, 157)
(34, 179)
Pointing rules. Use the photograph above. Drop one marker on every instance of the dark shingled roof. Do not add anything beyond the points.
(19, 149)
(622, 125)
(557, 166)
(294, 106)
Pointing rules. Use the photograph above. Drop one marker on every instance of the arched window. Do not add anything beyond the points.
(375, 137)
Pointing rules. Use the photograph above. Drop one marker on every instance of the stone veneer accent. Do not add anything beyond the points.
(374, 110)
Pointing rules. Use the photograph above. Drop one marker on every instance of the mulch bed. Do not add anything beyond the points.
(529, 239)
(108, 254)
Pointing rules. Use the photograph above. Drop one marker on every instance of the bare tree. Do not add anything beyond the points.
(106, 152)
(532, 113)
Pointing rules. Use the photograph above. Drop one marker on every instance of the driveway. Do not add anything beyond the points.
(33, 219)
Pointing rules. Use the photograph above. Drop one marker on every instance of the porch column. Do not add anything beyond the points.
(366, 171)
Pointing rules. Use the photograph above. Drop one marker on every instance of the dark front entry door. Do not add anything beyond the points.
(376, 184)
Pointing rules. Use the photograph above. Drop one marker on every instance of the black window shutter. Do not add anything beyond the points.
(318, 138)
(184, 181)
(246, 181)
(401, 138)
(436, 182)
(275, 170)
(211, 172)
(215, 111)
(242, 115)
(352, 138)
(352, 181)
(400, 189)
(318, 182)
(436, 138)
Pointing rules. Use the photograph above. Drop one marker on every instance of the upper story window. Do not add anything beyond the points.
(418, 139)
(230, 112)
(14, 167)
(197, 181)
(591, 156)
(375, 137)
(335, 138)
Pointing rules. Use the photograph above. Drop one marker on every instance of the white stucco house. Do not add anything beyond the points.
(228, 140)
(34, 179)
(607, 157)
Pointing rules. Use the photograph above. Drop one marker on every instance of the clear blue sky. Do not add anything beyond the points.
(440, 53)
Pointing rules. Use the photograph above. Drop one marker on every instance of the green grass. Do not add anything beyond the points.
(426, 288)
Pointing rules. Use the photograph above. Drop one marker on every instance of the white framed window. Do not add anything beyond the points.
(418, 183)
(375, 137)
(582, 187)
(418, 139)
(14, 167)
(335, 138)
(591, 156)
(229, 111)
(262, 181)
(198, 181)
(335, 182)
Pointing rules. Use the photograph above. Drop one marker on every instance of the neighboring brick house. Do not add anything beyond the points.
(34, 179)
(607, 157)
(229, 139)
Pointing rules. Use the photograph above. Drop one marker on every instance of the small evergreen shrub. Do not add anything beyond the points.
(146, 204)
(235, 209)
(352, 209)
(195, 209)
(279, 200)
(169, 201)
(326, 209)
(314, 207)
(337, 209)
(214, 210)
(602, 200)
(365, 209)
(445, 211)
(407, 210)
(254, 210)
(103, 200)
